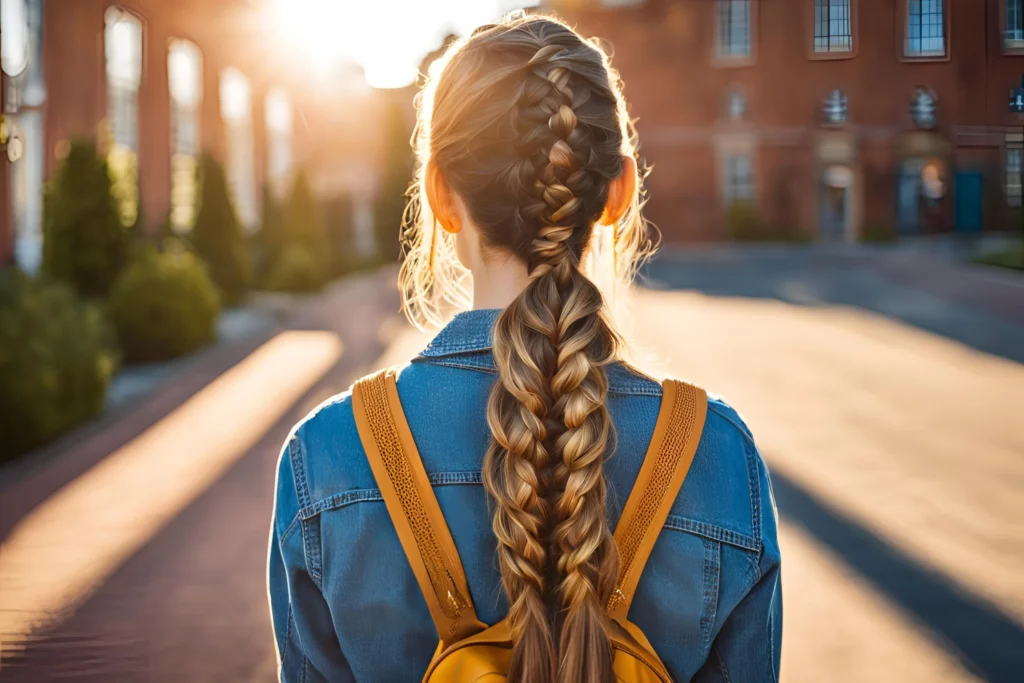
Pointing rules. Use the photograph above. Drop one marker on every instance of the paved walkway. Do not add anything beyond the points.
(889, 417)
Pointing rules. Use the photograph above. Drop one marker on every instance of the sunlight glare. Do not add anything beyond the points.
(388, 38)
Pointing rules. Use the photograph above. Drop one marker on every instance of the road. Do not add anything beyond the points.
(888, 411)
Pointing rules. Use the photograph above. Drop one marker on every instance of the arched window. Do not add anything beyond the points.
(185, 80)
(278, 115)
(236, 110)
(122, 40)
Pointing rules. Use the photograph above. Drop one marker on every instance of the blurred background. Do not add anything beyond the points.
(199, 204)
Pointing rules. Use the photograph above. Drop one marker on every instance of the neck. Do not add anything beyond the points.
(497, 281)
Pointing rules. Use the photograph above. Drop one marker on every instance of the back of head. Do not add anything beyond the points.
(526, 123)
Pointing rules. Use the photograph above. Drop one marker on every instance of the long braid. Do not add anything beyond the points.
(528, 127)
(587, 562)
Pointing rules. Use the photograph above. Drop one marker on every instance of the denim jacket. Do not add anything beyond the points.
(345, 603)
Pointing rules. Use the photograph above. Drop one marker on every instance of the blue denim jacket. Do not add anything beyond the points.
(345, 603)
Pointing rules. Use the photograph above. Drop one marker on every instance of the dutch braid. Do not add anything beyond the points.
(529, 128)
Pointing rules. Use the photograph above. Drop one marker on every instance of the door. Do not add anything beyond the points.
(968, 201)
(909, 202)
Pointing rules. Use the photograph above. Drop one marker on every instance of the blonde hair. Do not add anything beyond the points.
(526, 122)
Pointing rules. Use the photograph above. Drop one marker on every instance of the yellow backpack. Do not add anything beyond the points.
(470, 650)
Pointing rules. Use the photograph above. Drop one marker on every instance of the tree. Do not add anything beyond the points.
(395, 180)
(217, 236)
(84, 240)
(305, 226)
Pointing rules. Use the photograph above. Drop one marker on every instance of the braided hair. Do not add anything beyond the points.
(526, 122)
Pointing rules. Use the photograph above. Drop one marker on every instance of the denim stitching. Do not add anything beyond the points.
(341, 500)
(625, 388)
(740, 427)
(755, 494)
(771, 648)
(713, 532)
(298, 470)
(311, 545)
(289, 529)
(721, 665)
(305, 670)
(712, 565)
(287, 634)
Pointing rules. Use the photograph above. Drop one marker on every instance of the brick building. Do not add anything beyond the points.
(832, 117)
(157, 82)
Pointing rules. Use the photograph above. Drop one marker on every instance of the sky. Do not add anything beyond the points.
(388, 38)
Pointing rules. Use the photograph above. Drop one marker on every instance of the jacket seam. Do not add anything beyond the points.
(445, 361)
(295, 451)
(287, 634)
(721, 665)
(712, 569)
(340, 500)
(713, 532)
(725, 415)
(754, 480)
(707, 530)
(289, 529)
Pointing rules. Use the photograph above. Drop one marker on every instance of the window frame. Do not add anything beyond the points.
(730, 195)
(816, 55)
(720, 59)
(903, 25)
(1016, 200)
(1009, 47)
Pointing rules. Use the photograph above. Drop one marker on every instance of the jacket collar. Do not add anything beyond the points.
(468, 332)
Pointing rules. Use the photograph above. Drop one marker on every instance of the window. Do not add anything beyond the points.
(1013, 24)
(733, 29)
(236, 109)
(185, 79)
(739, 179)
(1014, 159)
(833, 28)
(278, 115)
(926, 29)
(123, 51)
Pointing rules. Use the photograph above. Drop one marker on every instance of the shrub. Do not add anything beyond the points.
(270, 238)
(1010, 258)
(305, 227)
(217, 235)
(163, 306)
(743, 222)
(878, 232)
(295, 270)
(84, 240)
(56, 360)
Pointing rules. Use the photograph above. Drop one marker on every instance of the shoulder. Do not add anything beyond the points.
(324, 457)
(724, 492)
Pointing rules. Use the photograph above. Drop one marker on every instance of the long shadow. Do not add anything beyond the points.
(978, 633)
(813, 278)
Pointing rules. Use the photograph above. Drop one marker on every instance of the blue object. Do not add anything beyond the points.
(968, 189)
(345, 603)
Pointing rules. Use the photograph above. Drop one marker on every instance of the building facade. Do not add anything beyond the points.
(834, 119)
(154, 84)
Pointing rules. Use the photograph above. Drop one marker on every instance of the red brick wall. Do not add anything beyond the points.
(664, 51)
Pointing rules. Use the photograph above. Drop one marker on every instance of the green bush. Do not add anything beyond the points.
(1011, 258)
(745, 225)
(295, 270)
(84, 241)
(305, 227)
(270, 238)
(217, 235)
(878, 233)
(163, 306)
(56, 360)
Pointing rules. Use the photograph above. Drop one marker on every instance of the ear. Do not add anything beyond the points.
(439, 197)
(621, 192)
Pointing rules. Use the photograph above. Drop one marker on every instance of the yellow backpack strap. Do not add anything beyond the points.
(673, 445)
(412, 506)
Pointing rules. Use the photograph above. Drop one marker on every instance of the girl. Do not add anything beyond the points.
(530, 428)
